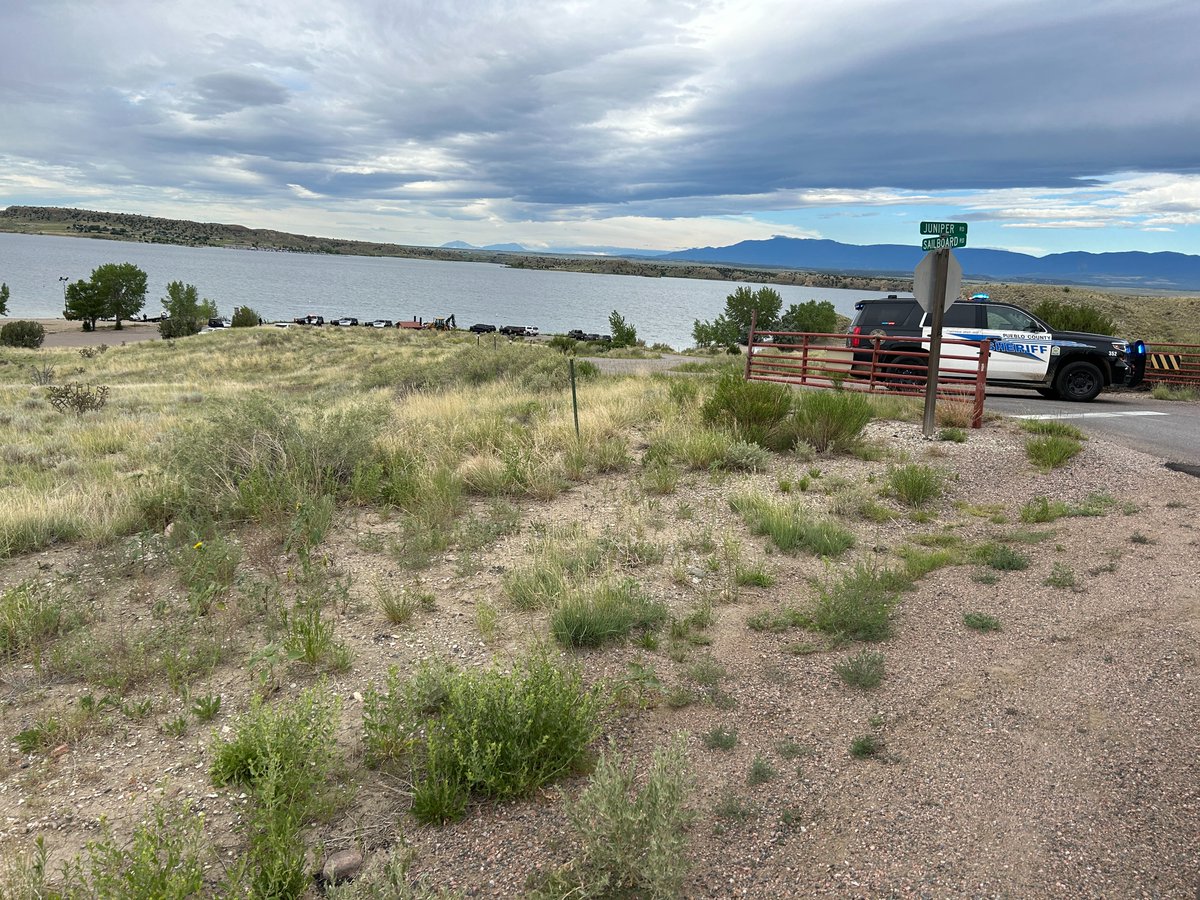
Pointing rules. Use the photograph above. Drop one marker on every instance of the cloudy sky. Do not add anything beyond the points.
(656, 124)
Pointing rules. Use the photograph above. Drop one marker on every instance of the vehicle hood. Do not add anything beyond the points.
(1083, 337)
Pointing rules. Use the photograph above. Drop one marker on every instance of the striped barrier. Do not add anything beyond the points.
(1173, 363)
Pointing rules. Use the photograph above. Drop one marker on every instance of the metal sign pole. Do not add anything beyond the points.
(941, 266)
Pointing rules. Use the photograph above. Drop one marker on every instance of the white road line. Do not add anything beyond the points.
(1098, 415)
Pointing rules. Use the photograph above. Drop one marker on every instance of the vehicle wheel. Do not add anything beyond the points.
(905, 372)
(1079, 381)
(1049, 393)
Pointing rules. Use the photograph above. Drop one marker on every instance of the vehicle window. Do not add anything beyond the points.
(960, 315)
(884, 314)
(1007, 318)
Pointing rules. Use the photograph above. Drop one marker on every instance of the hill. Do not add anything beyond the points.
(1154, 271)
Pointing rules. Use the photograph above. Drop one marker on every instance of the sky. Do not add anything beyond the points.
(644, 124)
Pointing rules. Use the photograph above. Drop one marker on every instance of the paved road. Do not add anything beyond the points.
(1159, 427)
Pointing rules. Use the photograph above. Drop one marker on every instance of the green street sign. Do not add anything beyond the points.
(958, 229)
(949, 242)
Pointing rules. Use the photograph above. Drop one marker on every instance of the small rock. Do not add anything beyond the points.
(342, 866)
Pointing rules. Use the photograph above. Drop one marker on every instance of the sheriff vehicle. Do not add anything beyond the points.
(1024, 351)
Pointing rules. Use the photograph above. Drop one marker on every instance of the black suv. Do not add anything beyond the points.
(481, 328)
(1025, 352)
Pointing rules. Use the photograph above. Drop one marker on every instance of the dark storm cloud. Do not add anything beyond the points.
(659, 108)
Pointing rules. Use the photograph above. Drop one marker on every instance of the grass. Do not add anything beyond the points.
(866, 746)
(978, 621)
(831, 420)
(790, 527)
(1000, 557)
(858, 605)
(497, 733)
(863, 670)
(1042, 509)
(1052, 451)
(916, 485)
(761, 772)
(720, 738)
(1061, 576)
(31, 616)
(604, 613)
(1185, 393)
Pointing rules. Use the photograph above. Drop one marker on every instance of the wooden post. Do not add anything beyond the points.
(980, 385)
(937, 313)
(750, 341)
(574, 399)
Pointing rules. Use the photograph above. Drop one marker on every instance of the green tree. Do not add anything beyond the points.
(115, 289)
(123, 288)
(3, 299)
(818, 316)
(185, 313)
(623, 334)
(84, 303)
(245, 317)
(734, 322)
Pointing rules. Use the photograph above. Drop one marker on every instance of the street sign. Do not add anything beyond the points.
(923, 281)
(948, 242)
(958, 229)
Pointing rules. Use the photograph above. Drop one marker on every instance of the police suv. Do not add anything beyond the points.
(1024, 351)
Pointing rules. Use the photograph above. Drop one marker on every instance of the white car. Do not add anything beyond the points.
(531, 331)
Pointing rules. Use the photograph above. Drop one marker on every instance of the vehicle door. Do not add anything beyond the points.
(962, 321)
(1021, 345)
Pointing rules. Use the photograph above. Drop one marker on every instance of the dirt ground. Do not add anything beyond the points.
(1055, 757)
(61, 333)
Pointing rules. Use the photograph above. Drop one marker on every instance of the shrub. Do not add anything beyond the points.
(244, 317)
(78, 398)
(831, 420)
(22, 334)
(1000, 557)
(632, 842)
(858, 606)
(864, 670)
(1074, 317)
(719, 738)
(761, 771)
(865, 746)
(752, 410)
(501, 734)
(29, 618)
(981, 621)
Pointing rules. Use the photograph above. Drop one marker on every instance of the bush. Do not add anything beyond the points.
(500, 734)
(245, 317)
(1074, 317)
(831, 420)
(22, 334)
(78, 398)
(916, 485)
(753, 410)
(858, 606)
(603, 614)
(864, 670)
(632, 842)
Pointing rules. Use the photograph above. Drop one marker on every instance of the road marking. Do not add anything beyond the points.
(1097, 415)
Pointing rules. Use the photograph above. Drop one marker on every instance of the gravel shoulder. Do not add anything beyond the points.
(1054, 757)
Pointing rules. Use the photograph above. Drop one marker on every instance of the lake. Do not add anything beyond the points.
(287, 285)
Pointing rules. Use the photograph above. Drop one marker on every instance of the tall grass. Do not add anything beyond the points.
(791, 527)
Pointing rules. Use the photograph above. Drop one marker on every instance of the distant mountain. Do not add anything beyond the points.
(1164, 271)
(497, 248)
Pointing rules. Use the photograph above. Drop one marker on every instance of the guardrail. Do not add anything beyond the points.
(823, 360)
(1173, 363)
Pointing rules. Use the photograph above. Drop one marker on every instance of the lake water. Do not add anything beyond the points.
(287, 285)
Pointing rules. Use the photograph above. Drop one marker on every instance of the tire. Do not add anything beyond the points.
(1049, 393)
(1079, 381)
(906, 372)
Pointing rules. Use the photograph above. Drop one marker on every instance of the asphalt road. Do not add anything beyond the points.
(1160, 427)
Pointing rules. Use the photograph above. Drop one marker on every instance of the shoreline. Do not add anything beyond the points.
(63, 333)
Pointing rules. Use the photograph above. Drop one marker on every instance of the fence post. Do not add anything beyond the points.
(574, 399)
(750, 341)
(980, 385)
(804, 361)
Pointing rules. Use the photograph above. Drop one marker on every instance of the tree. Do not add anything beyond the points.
(623, 334)
(3, 299)
(115, 289)
(185, 314)
(84, 303)
(818, 316)
(245, 317)
(734, 322)
(123, 288)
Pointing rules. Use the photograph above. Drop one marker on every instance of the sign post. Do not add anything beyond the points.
(946, 236)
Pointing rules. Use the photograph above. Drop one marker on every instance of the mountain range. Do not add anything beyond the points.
(1153, 271)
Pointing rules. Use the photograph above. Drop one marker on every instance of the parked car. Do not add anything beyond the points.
(1024, 351)
(346, 320)
(530, 331)
(480, 328)
(512, 330)
(218, 323)
(382, 323)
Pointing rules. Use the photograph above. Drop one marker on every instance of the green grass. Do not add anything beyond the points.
(858, 605)
(1042, 509)
(1179, 392)
(863, 670)
(1052, 428)
(497, 733)
(866, 746)
(31, 616)
(916, 485)
(1052, 451)
(761, 772)
(1061, 576)
(720, 738)
(831, 420)
(1000, 557)
(978, 621)
(604, 613)
(791, 527)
